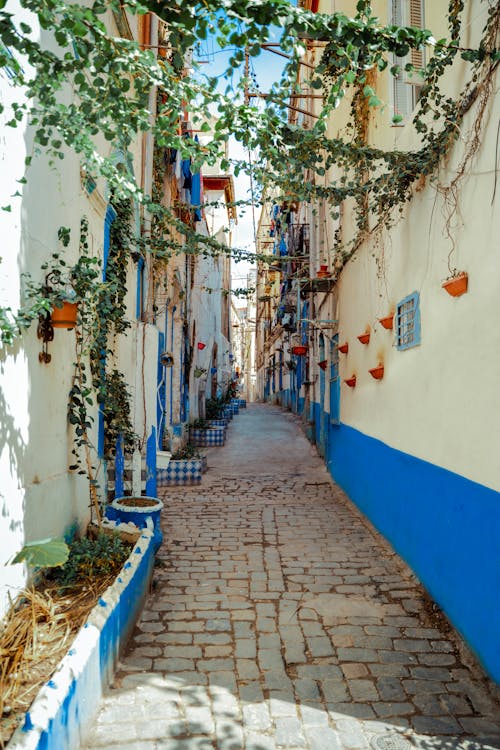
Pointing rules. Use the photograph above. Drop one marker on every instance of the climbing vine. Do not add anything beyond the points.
(111, 79)
(96, 381)
(381, 181)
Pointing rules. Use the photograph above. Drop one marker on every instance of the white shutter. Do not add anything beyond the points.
(406, 86)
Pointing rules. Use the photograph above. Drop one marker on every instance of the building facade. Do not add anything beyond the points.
(396, 379)
(144, 386)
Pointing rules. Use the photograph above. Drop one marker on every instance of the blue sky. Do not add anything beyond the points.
(265, 69)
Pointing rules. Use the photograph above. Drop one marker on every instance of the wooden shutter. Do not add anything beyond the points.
(416, 18)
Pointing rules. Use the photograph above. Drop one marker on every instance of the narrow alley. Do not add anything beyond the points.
(280, 619)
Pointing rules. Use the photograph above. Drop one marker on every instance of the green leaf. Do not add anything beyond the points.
(45, 553)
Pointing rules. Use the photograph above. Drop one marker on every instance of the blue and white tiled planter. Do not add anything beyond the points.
(207, 438)
(182, 472)
(221, 422)
(242, 403)
(64, 710)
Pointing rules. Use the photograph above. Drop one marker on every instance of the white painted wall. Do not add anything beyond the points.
(39, 497)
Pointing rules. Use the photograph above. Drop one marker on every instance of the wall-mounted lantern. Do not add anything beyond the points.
(167, 359)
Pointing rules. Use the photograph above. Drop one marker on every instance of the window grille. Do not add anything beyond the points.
(408, 322)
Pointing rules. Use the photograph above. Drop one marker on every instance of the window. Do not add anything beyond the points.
(334, 382)
(408, 322)
(407, 85)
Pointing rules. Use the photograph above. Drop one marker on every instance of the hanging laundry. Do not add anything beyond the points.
(186, 174)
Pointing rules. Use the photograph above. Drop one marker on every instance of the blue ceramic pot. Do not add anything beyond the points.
(138, 510)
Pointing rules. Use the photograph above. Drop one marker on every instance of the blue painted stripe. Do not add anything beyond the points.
(119, 468)
(109, 218)
(151, 464)
(139, 294)
(445, 526)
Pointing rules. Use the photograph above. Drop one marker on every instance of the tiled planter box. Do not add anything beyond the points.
(201, 437)
(222, 422)
(182, 472)
(242, 403)
(64, 710)
(228, 412)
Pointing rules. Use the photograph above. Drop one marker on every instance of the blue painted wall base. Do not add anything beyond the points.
(445, 526)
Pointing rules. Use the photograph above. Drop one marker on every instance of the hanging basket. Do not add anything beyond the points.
(457, 285)
(387, 322)
(65, 316)
(299, 350)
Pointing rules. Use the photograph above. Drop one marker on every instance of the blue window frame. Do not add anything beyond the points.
(334, 381)
(408, 322)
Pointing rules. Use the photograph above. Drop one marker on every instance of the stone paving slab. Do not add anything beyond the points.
(280, 619)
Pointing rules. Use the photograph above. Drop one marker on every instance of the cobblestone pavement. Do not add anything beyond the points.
(280, 619)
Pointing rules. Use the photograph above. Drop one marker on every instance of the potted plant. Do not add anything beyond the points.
(323, 364)
(457, 283)
(364, 338)
(300, 350)
(344, 348)
(351, 382)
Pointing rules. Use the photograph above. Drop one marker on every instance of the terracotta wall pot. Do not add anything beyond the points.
(377, 372)
(351, 382)
(65, 316)
(387, 322)
(457, 285)
(364, 338)
(323, 364)
(323, 272)
(344, 348)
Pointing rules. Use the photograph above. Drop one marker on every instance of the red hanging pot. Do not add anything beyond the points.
(387, 322)
(351, 382)
(377, 372)
(364, 338)
(65, 316)
(344, 348)
(323, 364)
(201, 345)
(299, 350)
(323, 272)
(457, 285)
